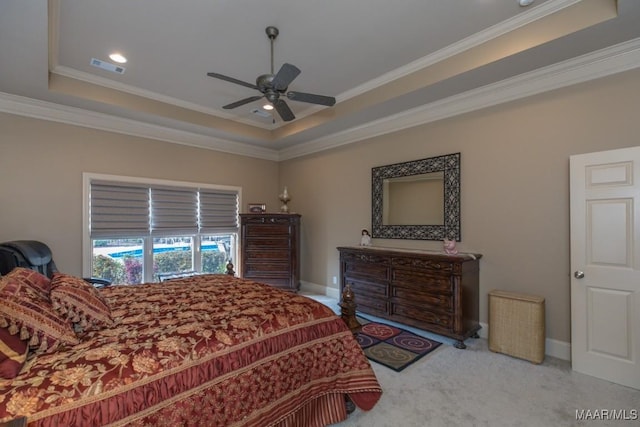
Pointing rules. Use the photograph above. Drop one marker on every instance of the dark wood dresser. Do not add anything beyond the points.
(432, 291)
(270, 245)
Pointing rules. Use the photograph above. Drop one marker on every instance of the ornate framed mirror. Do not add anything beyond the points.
(417, 200)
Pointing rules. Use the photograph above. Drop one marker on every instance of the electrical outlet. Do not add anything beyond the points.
(335, 280)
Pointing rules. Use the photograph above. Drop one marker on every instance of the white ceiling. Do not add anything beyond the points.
(367, 53)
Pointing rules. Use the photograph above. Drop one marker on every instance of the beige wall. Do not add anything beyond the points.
(41, 166)
(515, 186)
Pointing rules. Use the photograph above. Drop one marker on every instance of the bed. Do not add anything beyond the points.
(209, 350)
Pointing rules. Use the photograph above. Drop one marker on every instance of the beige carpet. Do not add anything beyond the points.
(476, 387)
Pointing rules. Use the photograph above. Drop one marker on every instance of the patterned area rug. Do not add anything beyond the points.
(393, 347)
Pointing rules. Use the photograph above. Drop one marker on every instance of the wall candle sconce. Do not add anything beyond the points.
(284, 198)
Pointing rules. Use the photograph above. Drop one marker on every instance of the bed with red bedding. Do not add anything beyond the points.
(210, 350)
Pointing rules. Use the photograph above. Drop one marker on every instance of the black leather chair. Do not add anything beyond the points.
(36, 256)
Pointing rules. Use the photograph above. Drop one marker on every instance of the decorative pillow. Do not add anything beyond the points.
(27, 312)
(32, 278)
(13, 354)
(79, 302)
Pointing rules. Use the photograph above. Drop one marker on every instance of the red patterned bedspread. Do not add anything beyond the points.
(208, 350)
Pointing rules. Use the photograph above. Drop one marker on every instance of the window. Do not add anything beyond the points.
(150, 230)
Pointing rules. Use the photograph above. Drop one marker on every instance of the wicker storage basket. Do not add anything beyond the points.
(516, 325)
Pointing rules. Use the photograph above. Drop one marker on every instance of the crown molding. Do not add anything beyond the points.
(74, 74)
(504, 27)
(612, 60)
(602, 63)
(50, 111)
(520, 20)
(121, 87)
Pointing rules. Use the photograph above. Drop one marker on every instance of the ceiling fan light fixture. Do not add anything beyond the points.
(274, 85)
(525, 3)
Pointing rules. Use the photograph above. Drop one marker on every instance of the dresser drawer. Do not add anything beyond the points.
(253, 252)
(440, 302)
(366, 270)
(371, 289)
(421, 282)
(363, 258)
(436, 318)
(269, 219)
(266, 269)
(374, 306)
(429, 266)
(259, 230)
(267, 244)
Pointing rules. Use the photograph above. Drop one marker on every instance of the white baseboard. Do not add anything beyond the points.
(314, 288)
(559, 349)
(553, 348)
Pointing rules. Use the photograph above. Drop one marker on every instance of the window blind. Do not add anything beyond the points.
(118, 209)
(218, 211)
(174, 210)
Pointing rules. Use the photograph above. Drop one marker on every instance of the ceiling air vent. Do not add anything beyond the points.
(107, 66)
(261, 113)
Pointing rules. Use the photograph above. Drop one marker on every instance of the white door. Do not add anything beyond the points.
(605, 263)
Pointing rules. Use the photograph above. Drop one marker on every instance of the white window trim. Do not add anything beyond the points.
(87, 177)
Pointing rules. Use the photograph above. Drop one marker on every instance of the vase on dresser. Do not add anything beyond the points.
(284, 198)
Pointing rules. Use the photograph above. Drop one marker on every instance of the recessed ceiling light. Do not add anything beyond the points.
(116, 57)
(267, 107)
(525, 2)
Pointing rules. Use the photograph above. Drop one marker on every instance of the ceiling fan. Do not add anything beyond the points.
(272, 86)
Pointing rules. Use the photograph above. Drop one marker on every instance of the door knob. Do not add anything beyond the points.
(578, 274)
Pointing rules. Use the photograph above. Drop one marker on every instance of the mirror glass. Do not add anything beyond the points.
(418, 200)
(413, 200)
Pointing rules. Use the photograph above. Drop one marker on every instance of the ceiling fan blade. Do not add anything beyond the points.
(283, 109)
(241, 102)
(232, 80)
(329, 101)
(285, 75)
